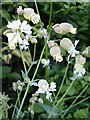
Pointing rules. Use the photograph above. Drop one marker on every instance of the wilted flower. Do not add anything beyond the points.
(35, 18)
(86, 52)
(44, 88)
(56, 53)
(42, 33)
(64, 28)
(45, 62)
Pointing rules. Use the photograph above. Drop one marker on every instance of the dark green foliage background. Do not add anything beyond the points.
(78, 14)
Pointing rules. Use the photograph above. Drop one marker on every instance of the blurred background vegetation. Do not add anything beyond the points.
(78, 14)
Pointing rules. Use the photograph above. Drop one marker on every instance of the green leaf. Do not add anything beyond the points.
(81, 113)
(38, 108)
(5, 14)
(14, 75)
(5, 71)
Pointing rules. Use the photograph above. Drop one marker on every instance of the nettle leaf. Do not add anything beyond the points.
(81, 113)
(38, 108)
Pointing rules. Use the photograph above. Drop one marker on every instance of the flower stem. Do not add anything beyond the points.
(26, 92)
(75, 101)
(61, 83)
(61, 99)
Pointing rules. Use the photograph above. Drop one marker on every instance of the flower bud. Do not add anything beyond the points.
(86, 52)
(32, 112)
(20, 10)
(12, 46)
(66, 44)
(14, 86)
(40, 100)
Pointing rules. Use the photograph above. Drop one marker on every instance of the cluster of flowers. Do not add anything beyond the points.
(18, 85)
(28, 14)
(66, 44)
(35, 98)
(21, 32)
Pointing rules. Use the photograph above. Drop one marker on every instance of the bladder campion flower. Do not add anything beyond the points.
(56, 53)
(67, 45)
(35, 18)
(79, 70)
(42, 33)
(45, 62)
(64, 28)
(44, 88)
(24, 44)
(15, 31)
(28, 13)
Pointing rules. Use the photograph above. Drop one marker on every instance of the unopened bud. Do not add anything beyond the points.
(40, 100)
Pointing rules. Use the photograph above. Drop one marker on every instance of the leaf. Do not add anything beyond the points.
(81, 113)
(48, 109)
(27, 57)
(16, 53)
(5, 14)
(38, 108)
(5, 70)
(14, 75)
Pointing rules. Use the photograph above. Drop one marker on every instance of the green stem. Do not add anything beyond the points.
(61, 99)
(80, 102)
(16, 104)
(46, 50)
(37, 8)
(26, 92)
(61, 83)
(34, 52)
(75, 100)
(51, 9)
